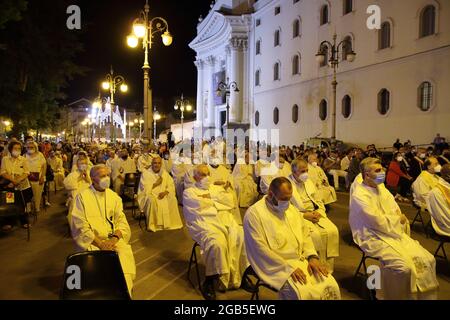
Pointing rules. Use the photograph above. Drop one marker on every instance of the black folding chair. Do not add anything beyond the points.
(194, 261)
(362, 264)
(259, 283)
(130, 188)
(12, 205)
(99, 276)
(419, 218)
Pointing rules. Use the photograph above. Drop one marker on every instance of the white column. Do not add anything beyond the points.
(210, 119)
(236, 76)
(200, 66)
(247, 83)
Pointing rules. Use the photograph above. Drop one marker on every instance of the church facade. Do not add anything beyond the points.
(396, 87)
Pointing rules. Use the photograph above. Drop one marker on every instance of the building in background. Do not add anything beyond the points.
(397, 87)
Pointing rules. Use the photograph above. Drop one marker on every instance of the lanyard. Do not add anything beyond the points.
(110, 222)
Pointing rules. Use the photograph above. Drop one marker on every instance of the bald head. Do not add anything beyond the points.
(281, 188)
(200, 172)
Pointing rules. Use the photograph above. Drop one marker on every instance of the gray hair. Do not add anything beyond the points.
(366, 163)
(95, 169)
(198, 167)
(297, 163)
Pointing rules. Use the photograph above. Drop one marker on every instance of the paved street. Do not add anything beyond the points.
(33, 270)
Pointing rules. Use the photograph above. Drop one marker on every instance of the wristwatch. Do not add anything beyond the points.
(115, 236)
(313, 256)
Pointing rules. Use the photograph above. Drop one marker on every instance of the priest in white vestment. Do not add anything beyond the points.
(157, 198)
(244, 181)
(123, 166)
(220, 175)
(381, 230)
(320, 180)
(439, 203)
(56, 163)
(281, 251)
(77, 181)
(324, 233)
(426, 181)
(99, 223)
(272, 171)
(207, 210)
(180, 166)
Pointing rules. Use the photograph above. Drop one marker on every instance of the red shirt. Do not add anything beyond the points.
(394, 173)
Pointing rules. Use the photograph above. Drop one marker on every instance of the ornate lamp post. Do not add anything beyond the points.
(156, 117)
(145, 28)
(183, 105)
(226, 88)
(111, 83)
(333, 51)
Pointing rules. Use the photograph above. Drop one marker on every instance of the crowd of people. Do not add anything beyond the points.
(286, 235)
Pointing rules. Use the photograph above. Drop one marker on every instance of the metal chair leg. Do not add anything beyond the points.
(193, 260)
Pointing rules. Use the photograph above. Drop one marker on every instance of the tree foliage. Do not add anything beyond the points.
(36, 64)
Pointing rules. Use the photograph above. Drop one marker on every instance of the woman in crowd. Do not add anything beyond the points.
(397, 180)
(38, 168)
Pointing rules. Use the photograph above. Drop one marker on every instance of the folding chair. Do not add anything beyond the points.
(358, 272)
(100, 277)
(194, 261)
(10, 206)
(259, 283)
(419, 218)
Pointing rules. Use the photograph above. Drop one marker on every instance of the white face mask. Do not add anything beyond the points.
(423, 156)
(281, 207)
(205, 183)
(31, 151)
(104, 183)
(83, 167)
(15, 153)
(314, 164)
(399, 159)
(303, 177)
(438, 168)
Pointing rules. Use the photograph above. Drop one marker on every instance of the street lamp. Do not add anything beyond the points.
(183, 105)
(156, 117)
(111, 83)
(145, 28)
(335, 54)
(226, 88)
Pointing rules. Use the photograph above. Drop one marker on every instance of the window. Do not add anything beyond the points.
(258, 47)
(296, 28)
(348, 6)
(325, 51)
(324, 15)
(295, 113)
(258, 78)
(276, 71)
(347, 47)
(384, 97)
(277, 10)
(257, 118)
(258, 22)
(276, 38)
(276, 115)
(384, 36)
(425, 96)
(323, 110)
(346, 106)
(296, 65)
(428, 21)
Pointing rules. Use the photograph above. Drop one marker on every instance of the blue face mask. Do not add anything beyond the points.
(379, 179)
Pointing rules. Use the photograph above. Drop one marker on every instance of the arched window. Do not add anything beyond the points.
(258, 47)
(325, 60)
(276, 71)
(296, 28)
(425, 96)
(258, 78)
(348, 6)
(257, 118)
(346, 106)
(347, 47)
(384, 101)
(276, 115)
(295, 113)
(296, 64)
(384, 36)
(324, 15)
(428, 21)
(323, 110)
(276, 38)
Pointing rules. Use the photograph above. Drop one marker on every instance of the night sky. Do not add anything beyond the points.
(105, 25)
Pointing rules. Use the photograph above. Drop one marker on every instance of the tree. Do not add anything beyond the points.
(37, 63)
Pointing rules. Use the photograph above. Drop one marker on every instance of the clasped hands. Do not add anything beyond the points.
(313, 216)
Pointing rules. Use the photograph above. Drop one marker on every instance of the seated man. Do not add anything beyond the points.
(157, 198)
(179, 168)
(324, 233)
(273, 171)
(439, 203)
(207, 210)
(326, 192)
(77, 181)
(55, 162)
(332, 166)
(280, 249)
(426, 181)
(98, 222)
(246, 189)
(381, 230)
(124, 166)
